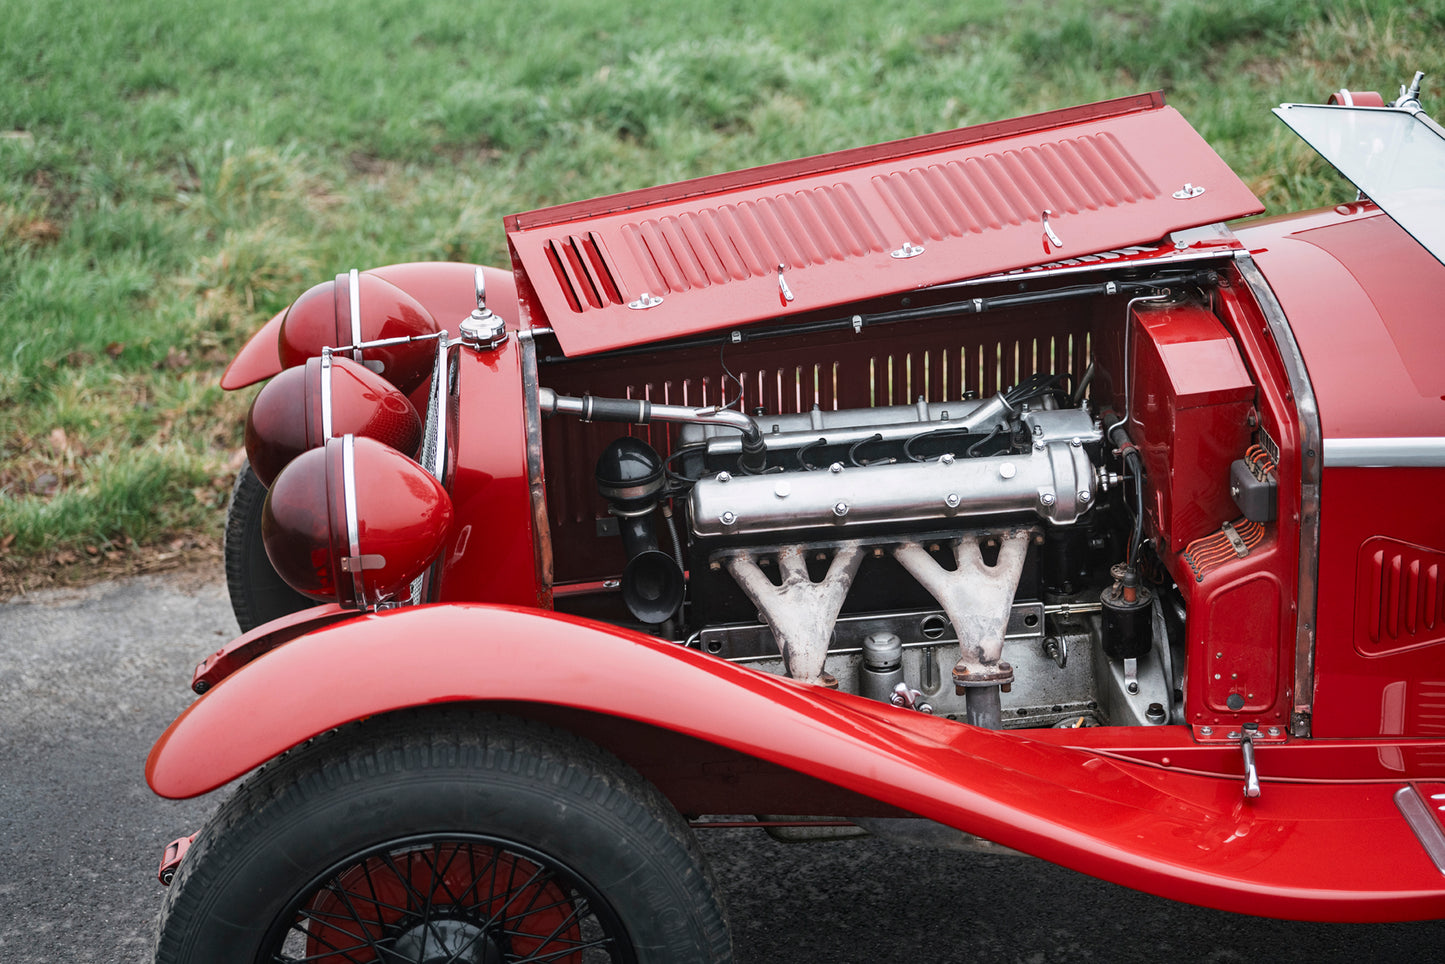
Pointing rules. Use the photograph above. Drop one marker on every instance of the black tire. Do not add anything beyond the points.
(258, 594)
(395, 838)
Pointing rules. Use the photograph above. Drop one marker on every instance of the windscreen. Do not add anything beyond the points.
(1395, 157)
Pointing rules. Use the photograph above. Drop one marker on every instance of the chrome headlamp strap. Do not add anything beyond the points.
(353, 561)
(354, 281)
(325, 394)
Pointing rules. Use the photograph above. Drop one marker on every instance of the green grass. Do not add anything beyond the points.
(172, 174)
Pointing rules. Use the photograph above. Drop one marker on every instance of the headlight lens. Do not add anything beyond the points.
(354, 308)
(354, 522)
(302, 407)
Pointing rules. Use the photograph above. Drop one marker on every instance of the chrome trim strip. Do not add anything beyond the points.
(1427, 829)
(353, 529)
(1311, 467)
(532, 417)
(1385, 452)
(354, 281)
(1103, 264)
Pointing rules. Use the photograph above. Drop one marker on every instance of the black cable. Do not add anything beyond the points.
(973, 449)
(853, 449)
(802, 454)
(677, 454)
(937, 433)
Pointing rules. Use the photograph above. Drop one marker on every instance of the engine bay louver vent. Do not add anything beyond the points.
(831, 223)
(1400, 601)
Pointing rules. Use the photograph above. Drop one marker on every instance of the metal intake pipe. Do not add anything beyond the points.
(640, 411)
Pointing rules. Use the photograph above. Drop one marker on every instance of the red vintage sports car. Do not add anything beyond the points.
(984, 478)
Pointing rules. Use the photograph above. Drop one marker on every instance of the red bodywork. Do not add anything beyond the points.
(1161, 817)
(1324, 643)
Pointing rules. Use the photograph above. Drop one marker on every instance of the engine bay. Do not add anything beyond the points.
(1007, 508)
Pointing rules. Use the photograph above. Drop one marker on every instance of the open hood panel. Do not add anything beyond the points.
(775, 241)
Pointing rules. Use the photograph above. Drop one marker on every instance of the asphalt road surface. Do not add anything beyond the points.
(89, 678)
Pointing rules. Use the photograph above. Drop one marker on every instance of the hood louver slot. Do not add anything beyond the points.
(585, 274)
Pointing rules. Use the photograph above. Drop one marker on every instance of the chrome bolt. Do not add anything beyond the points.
(1085, 495)
(946, 458)
(728, 518)
(1007, 470)
(1206, 731)
(841, 509)
(782, 490)
(724, 477)
(1047, 498)
(952, 500)
(836, 467)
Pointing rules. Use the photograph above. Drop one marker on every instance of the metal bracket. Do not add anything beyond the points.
(910, 699)
(644, 301)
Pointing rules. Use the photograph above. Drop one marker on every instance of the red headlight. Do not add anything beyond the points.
(354, 522)
(302, 407)
(355, 308)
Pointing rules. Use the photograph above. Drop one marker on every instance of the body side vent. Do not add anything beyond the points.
(1400, 597)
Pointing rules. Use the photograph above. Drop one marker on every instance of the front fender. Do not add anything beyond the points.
(444, 288)
(1323, 852)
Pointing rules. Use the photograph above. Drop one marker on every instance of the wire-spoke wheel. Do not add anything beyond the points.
(436, 837)
(472, 900)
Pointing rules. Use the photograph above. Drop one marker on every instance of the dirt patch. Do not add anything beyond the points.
(193, 561)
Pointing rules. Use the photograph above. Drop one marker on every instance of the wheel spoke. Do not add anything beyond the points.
(331, 949)
(425, 902)
(465, 898)
(540, 958)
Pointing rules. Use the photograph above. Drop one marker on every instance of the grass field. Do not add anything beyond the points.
(173, 174)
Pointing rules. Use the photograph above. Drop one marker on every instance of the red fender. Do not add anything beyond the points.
(444, 288)
(1305, 851)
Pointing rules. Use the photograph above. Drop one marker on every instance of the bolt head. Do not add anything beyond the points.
(728, 518)
(1047, 498)
(840, 509)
